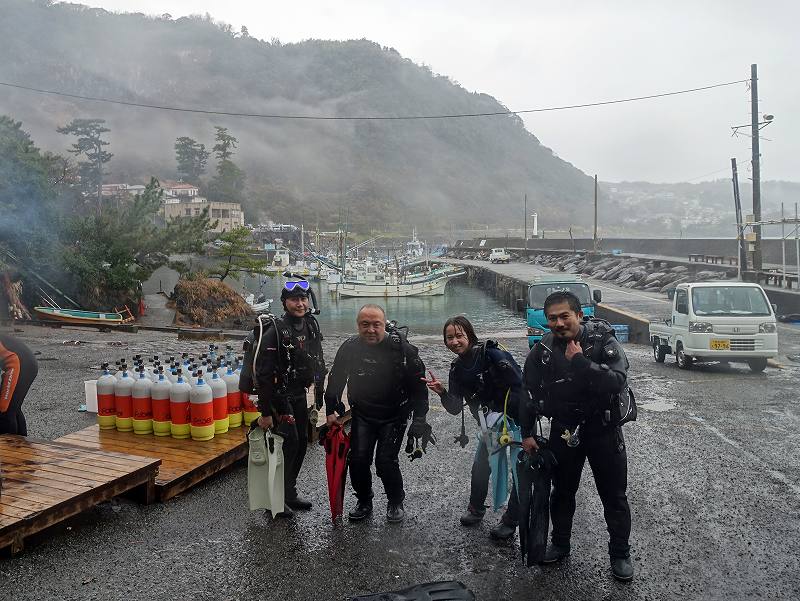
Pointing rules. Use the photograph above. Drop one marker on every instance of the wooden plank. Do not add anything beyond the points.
(47, 482)
(184, 463)
(153, 445)
(90, 455)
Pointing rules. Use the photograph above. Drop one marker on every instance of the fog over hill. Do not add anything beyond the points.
(429, 173)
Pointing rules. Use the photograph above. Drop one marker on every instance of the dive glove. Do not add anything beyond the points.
(419, 435)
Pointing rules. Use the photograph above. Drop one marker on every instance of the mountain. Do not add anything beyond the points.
(431, 173)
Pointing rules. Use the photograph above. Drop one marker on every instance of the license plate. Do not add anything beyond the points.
(720, 345)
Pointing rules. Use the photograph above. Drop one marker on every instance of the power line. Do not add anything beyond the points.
(365, 118)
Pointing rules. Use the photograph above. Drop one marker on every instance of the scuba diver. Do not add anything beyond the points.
(481, 376)
(18, 370)
(384, 377)
(574, 375)
(288, 360)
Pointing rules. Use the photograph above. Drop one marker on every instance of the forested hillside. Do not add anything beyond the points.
(402, 173)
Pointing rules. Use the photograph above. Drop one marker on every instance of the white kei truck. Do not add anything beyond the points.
(499, 255)
(717, 321)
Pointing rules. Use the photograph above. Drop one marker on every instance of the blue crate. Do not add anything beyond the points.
(621, 331)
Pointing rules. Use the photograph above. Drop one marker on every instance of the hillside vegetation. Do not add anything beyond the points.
(429, 173)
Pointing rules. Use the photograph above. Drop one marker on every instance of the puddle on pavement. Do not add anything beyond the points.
(658, 406)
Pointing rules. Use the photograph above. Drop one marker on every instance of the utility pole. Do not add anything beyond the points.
(739, 227)
(754, 129)
(594, 246)
(526, 222)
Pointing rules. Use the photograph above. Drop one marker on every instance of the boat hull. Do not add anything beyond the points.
(363, 290)
(80, 317)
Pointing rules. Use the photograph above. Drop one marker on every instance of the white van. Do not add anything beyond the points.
(499, 255)
(717, 321)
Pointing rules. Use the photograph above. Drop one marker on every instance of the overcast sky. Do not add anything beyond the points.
(532, 54)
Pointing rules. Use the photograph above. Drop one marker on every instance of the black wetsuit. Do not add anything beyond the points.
(384, 386)
(19, 368)
(578, 392)
(283, 377)
(480, 378)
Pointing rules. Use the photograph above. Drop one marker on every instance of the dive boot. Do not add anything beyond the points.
(395, 513)
(555, 553)
(472, 517)
(503, 530)
(298, 504)
(622, 568)
(362, 510)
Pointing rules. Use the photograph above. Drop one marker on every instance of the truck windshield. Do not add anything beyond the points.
(729, 300)
(538, 292)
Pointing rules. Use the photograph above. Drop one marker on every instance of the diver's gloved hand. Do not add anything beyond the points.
(417, 428)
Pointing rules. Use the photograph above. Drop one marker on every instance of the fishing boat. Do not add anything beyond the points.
(371, 281)
(74, 316)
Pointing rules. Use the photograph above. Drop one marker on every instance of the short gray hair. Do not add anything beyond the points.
(372, 306)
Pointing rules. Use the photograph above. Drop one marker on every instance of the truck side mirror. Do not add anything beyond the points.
(597, 295)
(774, 308)
(670, 293)
(520, 305)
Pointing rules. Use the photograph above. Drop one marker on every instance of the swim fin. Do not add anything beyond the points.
(265, 488)
(430, 591)
(535, 476)
(337, 454)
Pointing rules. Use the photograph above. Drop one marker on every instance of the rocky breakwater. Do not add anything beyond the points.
(651, 276)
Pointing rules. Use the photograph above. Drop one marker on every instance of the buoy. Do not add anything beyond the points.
(159, 395)
(106, 409)
(179, 407)
(250, 408)
(201, 406)
(123, 402)
(142, 404)
(219, 392)
(231, 379)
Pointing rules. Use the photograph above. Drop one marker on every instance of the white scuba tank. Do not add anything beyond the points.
(219, 393)
(123, 403)
(231, 379)
(159, 394)
(106, 409)
(142, 404)
(179, 407)
(201, 406)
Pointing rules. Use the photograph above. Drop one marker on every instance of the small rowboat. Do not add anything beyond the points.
(113, 318)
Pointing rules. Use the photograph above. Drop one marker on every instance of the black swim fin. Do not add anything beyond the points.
(449, 590)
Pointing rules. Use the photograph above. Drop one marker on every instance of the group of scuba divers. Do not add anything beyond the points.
(576, 376)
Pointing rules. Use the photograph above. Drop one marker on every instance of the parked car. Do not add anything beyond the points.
(717, 321)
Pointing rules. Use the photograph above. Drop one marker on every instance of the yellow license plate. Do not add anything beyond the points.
(720, 345)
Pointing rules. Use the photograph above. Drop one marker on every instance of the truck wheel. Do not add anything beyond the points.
(659, 352)
(757, 365)
(684, 360)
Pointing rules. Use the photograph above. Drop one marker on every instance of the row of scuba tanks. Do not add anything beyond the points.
(188, 398)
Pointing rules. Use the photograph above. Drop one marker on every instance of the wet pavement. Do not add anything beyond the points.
(714, 487)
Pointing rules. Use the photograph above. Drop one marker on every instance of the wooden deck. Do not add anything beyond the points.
(47, 482)
(184, 463)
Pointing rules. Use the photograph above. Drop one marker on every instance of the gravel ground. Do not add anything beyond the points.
(714, 486)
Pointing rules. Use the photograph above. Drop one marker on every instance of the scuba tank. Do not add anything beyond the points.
(231, 379)
(179, 408)
(159, 394)
(142, 404)
(106, 410)
(250, 408)
(201, 407)
(123, 402)
(219, 394)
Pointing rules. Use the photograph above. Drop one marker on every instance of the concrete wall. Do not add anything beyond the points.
(653, 246)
